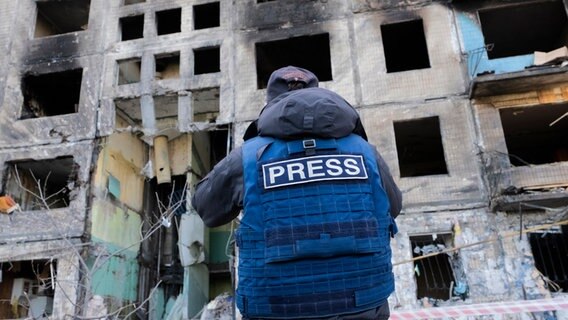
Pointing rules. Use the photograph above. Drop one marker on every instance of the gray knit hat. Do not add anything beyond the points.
(279, 80)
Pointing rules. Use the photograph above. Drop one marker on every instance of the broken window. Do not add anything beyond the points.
(41, 184)
(206, 15)
(130, 110)
(310, 52)
(550, 251)
(207, 60)
(43, 93)
(537, 134)
(167, 66)
(419, 147)
(164, 204)
(58, 17)
(434, 275)
(524, 28)
(132, 27)
(27, 289)
(405, 46)
(129, 70)
(168, 21)
(205, 104)
(127, 2)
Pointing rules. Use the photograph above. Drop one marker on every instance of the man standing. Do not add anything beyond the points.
(319, 206)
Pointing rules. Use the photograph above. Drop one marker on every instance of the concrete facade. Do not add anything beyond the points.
(116, 232)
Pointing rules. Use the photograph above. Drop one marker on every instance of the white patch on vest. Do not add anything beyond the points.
(313, 168)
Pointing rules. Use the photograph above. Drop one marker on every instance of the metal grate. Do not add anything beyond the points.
(434, 275)
(550, 251)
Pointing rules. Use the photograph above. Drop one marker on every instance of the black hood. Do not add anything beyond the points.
(311, 112)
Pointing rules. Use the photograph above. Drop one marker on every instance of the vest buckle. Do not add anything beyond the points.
(309, 144)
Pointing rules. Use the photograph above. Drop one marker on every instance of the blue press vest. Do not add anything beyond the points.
(314, 239)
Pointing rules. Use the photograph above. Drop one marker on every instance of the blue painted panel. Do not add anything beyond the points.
(477, 59)
(114, 186)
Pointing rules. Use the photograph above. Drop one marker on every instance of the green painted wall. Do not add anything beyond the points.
(218, 245)
(114, 271)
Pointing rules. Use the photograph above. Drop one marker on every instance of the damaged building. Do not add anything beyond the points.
(111, 111)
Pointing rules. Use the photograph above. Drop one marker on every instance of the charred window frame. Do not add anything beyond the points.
(206, 15)
(524, 28)
(405, 47)
(439, 276)
(207, 60)
(129, 71)
(31, 284)
(43, 93)
(42, 184)
(550, 252)
(60, 17)
(419, 147)
(131, 27)
(130, 110)
(168, 21)
(167, 65)
(310, 52)
(536, 134)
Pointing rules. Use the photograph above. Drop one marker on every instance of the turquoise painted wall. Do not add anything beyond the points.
(218, 245)
(477, 59)
(115, 276)
(117, 231)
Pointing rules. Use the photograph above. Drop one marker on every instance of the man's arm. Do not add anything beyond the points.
(218, 198)
(393, 193)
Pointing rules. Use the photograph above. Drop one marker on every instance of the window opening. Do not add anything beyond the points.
(167, 66)
(168, 21)
(159, 252)
(262, 1)
(207, 60)
(42, 184)
(537, 134)
(405, 46)
(550, 251)
(419, 147)
(129, 109)
(129, 71)
(128, 2)
(310, 52)
(206, 15)
(205, 104)
(172, 198)
(27, 289)
(434, 275)
(508, 30)
(166, 106)
(59, 17)
(132, 27)
(43, 94)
